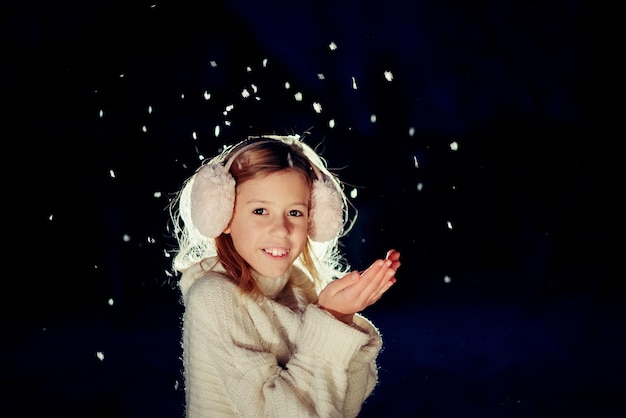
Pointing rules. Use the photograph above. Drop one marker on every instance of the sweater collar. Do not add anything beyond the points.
(271, 286)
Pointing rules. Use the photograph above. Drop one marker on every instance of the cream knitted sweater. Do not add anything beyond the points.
(278, 357)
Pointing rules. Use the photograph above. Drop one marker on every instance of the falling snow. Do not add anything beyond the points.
(343, 117)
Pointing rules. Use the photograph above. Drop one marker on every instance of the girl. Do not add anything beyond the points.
(271, 325)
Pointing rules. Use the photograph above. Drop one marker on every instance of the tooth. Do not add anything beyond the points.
(276, 252)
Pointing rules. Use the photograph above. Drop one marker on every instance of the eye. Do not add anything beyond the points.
(259, 211)
(295, 212)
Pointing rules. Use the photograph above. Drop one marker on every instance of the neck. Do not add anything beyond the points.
(271, 286)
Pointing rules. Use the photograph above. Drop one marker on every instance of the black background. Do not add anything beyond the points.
(505, 305)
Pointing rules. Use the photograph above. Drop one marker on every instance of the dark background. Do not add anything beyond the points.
(505, 305)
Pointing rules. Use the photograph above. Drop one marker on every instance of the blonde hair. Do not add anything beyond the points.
(259, 156)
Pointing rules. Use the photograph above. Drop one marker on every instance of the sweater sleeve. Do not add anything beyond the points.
(229, 370)
(342, 357)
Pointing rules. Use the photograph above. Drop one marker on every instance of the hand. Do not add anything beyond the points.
(356, 291)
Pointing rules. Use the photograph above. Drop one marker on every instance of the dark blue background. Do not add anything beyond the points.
(530, 322)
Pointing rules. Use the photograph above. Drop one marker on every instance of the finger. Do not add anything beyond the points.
(384, 282)
(394, 256)
(375, 297)
(376, 265)
(384, 289)
(375, 276)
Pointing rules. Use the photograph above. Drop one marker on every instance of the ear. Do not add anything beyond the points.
(227, 229)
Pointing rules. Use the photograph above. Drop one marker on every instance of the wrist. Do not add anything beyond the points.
(345, 318)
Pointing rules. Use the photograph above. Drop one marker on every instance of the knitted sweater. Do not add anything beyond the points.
(278, 357)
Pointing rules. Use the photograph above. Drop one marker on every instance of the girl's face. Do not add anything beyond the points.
(269, 224)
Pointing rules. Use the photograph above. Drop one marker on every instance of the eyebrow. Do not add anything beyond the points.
(265, 202)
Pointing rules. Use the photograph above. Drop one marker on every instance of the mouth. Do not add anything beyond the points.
(276, 252)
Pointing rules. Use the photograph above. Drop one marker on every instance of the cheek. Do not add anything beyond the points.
(237, 222)
(301, 230)
(242, 225)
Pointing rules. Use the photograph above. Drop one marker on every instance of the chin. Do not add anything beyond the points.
(272, 271)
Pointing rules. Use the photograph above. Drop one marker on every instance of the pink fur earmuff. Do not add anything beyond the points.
(326, 215)
(213, 202)
(212, 199)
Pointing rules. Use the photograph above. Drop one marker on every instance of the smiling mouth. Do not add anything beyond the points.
(276, 252)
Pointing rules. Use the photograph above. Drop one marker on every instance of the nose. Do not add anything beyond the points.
(281, 226)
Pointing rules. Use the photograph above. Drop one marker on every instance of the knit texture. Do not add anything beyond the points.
(281, 357)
